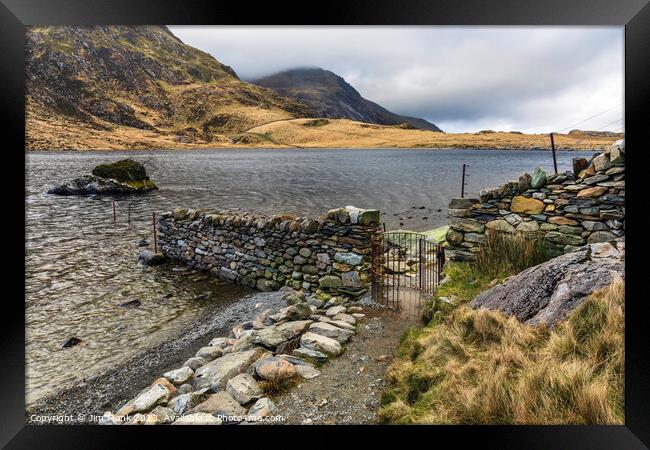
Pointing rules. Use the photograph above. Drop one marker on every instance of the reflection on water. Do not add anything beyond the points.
(80, 266)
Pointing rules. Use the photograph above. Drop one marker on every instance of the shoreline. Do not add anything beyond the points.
(113, 387)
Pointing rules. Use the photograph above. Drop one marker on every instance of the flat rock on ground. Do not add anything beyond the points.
(545, 293)
(349, 389)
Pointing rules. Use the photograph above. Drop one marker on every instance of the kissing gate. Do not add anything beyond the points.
(406, 270)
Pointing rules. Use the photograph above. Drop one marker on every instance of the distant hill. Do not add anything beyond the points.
(122, 86)
(597, 133)
(331, 96)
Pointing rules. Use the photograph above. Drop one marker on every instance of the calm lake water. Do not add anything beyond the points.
(80, 266)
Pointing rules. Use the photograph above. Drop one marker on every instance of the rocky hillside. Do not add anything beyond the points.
(331, 96)
(125, 84)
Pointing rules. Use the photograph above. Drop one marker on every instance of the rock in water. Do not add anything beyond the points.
(545, 293)
(122, 177)
(71, 342)
(150, 258)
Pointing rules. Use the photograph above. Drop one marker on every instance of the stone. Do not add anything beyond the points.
(521, 204)
(294, 297)
(161, 415)
(264, 407)
(524, 182)
(220, 404)
(265, 285)
(185, 388)
(183, 403)
(454, 237)
(463, 203)
(601, 162)
(216, 374)
(595, 179)
(306, 371)
(334, 310)
(338, 323)
(221, 342)
(274, 369)
(579, 164)
(528, 227)
(546, 293)
(321, 343)
(209, 353)
(601, 236)
(592, 192)
(304, 252)
(564, 239)
(560, 220)
(194, 363)
(351, 279)
(330, 282)
(475, 238)
(268, 337)
(369, 217)
(538, 178)
(150, 258)
(299, 311)
(179, 376)
(158, 393)
(294, 328)
(500, 225)
(345, 318)
(467, 226)
(199, 418)
(323, 258)
(513, 219)
(310, 355)
(594, 226)
(325, 329)
(349, 258)
(244, 389)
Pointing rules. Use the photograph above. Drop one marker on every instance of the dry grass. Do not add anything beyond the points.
(243, 129)
(512, 253)
(480, 367)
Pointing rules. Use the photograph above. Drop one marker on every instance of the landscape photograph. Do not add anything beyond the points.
(324, 225)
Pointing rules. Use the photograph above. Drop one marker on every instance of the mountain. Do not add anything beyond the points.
(136, 86)
(331, 96)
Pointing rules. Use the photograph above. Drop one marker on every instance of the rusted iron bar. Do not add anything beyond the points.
(114, 216)
(155, 236)
(462, 185)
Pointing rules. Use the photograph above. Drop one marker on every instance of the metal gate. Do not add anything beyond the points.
(405, 271)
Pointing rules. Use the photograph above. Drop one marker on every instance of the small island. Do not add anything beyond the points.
(122, 177)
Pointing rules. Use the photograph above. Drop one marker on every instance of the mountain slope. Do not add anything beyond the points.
(130, 85)
(332, 97)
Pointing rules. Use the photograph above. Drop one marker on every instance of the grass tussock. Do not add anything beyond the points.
(512, 253)
(481, 367)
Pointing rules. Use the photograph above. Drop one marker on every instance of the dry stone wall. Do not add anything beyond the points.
(329, 255)
(580, 206)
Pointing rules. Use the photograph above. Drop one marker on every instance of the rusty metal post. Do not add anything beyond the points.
(462, 186)
(155, 238)
(114, 216)
(553, 150)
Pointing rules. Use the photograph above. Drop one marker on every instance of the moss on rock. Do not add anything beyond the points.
(126, 170)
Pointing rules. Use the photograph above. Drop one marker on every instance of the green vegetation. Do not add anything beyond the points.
(316, 123)
(510, 253)
(481, 367)
(126, 170)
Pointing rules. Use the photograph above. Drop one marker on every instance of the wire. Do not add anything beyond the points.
(588, 118)
(611, 123)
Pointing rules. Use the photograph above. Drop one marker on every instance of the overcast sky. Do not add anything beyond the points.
(530, 79)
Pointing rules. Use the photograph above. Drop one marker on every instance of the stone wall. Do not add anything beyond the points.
(583, 205)
(329, 255)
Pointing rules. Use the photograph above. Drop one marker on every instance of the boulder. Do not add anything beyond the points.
(330, 282)
(294, 328)
(274, 369)
(179, 376)
(92, 185)
(345, 318)
(538, 179)
(331, 331)
(194, 363)
(500, 225)
(592, 192)
(150, 258)
(268, 337)
(215, 375)
(264, 407)
(219, 404)
(244, 388)
(158, 393)
(521, 204)
(298, 311)
(183, 403)
(306, 371)
(321, 344)
(601, 236)
(334, 310)
(209, 353)
(310, 354)
(545, 293)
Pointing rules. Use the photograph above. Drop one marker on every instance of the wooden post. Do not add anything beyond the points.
(155, 239)
(114, 216)
(462, 186)
(553, 150)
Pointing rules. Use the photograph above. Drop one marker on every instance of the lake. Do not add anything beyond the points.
(80, 266)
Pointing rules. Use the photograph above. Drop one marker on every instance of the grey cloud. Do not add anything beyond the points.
(532, 79)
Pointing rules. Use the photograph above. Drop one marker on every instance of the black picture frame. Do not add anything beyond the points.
(633, 14)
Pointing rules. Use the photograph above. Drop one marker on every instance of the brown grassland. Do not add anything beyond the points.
(58, 132)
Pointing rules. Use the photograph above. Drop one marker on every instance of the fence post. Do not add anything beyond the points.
(114, 216)
(462, 186)
(553, 150)
(155, 239)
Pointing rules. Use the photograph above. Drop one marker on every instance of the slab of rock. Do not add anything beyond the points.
(267, 337)
(310, 354)
(345, 318)
(215, 375)
(307, 372)
(294, 328)
(158, 393)
(545, 293)
(209, 353)
(194, 363)
(264, 407)
(179, 376)
(183, 403)
(244, 388)
(334, 310)
(90, 184)
(219, 404)
(338, 323)
(331, 331)
(321, 343)
(299, 311)
(274, 369)
(521, 204)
